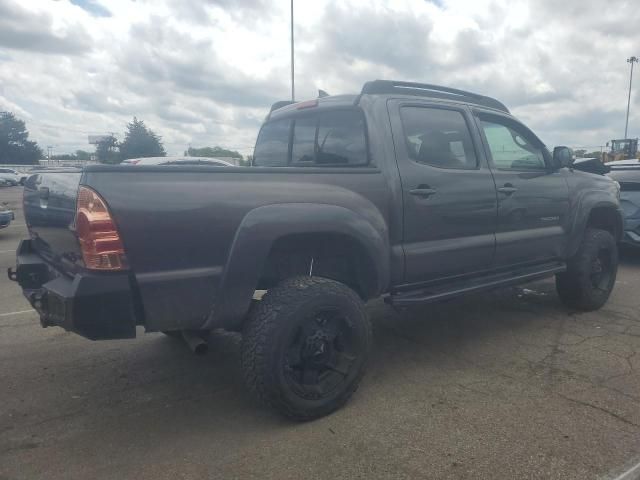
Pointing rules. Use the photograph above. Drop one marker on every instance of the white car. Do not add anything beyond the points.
(178, 161)
(10, 176)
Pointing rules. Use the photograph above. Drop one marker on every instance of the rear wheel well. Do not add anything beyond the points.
(330, 255)
(605, 218)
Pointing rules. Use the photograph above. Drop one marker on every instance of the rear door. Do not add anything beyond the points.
(533, 198)
(449, 195)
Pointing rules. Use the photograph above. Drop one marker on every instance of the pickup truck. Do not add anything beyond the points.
(413, 192)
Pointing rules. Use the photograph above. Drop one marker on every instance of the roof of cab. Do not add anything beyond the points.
(395, 88)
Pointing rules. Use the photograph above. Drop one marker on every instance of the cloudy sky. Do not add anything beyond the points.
(204, 72)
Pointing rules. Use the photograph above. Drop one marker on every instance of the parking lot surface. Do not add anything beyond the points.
(504, 385)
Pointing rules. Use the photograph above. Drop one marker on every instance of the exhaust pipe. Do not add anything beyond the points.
(196, 342)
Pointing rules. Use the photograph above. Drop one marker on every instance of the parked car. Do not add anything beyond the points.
(413, 192)
(11, 177)
(627, 174)
(6, 216)
(178, 161)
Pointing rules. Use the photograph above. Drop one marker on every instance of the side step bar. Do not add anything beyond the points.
(455, 289)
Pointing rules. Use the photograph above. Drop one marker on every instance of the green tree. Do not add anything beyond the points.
(140, 141)
(15, 146)
(63, 156)
(106, 150)
(213, 152)
(82, 155)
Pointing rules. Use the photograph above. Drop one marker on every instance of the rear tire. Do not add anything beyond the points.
(305, 347)
(591, 272)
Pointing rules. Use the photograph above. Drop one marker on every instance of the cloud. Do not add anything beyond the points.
(93, 7)
(206, 71)
(21, 29)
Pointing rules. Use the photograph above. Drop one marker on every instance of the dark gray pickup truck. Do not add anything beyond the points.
(414, 192)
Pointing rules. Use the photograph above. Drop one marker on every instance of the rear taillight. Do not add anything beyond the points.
(100, 241)
(306, 104)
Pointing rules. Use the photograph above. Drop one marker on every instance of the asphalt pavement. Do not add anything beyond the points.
(506, 385)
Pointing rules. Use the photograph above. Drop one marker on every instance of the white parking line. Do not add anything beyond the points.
(16, 225)
(8, 251)
(16, 313)
(632, 474)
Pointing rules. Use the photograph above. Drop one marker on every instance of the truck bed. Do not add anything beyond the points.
(179, 226)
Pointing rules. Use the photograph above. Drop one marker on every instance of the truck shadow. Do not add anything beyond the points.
(629, 255)
(421, 337)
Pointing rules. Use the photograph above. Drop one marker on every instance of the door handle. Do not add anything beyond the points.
(508, 189)
(423, 192)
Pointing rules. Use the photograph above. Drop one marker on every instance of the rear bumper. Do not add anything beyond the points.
(96, 306)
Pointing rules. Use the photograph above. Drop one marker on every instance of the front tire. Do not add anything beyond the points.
(305, 347)
(591, 272)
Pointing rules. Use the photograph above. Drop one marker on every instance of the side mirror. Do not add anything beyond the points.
(562, 157)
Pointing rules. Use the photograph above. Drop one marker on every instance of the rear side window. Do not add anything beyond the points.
(272, 146)
(304, 140)
(329, 139)
(438, 137)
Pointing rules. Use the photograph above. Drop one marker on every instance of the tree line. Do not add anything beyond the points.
(15, 146)
(139, 141)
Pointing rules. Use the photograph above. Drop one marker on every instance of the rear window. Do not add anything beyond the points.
(332, 139)
(272, 146)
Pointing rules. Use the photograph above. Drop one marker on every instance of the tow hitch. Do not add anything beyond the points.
(13, 276)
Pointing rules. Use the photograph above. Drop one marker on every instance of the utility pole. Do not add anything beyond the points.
(293, 89)
(630, 60)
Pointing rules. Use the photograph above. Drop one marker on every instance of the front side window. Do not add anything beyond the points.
(438, 137)
(272, 146)
(510, 148)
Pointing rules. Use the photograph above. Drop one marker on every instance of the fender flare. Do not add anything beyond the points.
(589, 201)
(263, 226)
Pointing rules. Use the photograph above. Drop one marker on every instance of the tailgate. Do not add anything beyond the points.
(49, 209)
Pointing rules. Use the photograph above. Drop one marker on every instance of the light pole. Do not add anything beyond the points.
(293, 89)
(630, 60)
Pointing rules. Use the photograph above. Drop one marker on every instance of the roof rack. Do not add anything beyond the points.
(428, 90)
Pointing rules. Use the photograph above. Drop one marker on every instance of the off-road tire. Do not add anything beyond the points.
(576, 286)
(266, 342)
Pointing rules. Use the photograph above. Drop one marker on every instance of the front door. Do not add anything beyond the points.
(533, 198)
(449, 195)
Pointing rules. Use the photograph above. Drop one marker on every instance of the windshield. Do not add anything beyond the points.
(619, 145)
